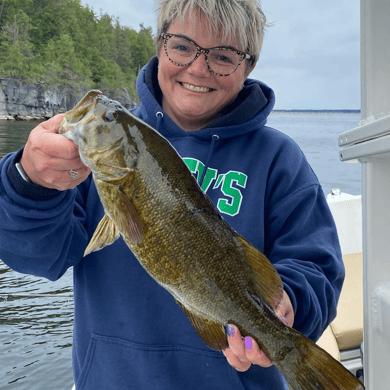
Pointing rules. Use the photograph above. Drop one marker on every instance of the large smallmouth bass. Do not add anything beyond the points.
(152, 200)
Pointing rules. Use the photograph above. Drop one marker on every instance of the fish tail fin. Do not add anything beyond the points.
(312, 368)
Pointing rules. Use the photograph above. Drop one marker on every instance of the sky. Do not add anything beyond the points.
(310, 55)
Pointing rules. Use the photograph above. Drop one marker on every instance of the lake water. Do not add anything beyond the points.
(36, 332)
(317, 135)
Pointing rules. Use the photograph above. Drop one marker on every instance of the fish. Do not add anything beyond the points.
(216, 276)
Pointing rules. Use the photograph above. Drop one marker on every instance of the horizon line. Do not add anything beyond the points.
(317, 110)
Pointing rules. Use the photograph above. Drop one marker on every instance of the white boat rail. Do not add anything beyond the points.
(370, 145)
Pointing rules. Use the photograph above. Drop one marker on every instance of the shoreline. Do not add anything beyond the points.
(42, 118)
(22, 118)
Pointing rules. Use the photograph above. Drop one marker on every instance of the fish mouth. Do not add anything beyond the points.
(88, 99)
(81, 112)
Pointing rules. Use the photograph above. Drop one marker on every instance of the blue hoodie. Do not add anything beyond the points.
(129, 333)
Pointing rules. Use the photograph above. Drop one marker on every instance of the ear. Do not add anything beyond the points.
(159, 43)
(249, 71)
(159, 47)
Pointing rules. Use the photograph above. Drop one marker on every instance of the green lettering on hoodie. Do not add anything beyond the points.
(228, 182)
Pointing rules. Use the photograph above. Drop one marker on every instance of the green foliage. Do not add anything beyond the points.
(61, 42)
(16, 51)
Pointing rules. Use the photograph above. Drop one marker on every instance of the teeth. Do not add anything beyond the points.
(196, 89)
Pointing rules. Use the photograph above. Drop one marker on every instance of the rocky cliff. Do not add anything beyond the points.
(22, 101)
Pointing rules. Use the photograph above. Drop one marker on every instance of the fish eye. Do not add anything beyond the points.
(110, 116)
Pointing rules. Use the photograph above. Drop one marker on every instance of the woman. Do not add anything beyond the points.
(129, 333)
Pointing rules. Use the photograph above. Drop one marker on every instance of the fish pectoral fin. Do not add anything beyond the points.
(266, 280)
(105, 234)
(127, 219)
(212, 333)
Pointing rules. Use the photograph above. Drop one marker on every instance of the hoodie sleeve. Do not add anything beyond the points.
(302, 242)
(40, 237)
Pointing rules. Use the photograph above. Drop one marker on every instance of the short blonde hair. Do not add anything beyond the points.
(242, 17)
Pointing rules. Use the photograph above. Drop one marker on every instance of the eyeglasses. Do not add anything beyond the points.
(222, 61)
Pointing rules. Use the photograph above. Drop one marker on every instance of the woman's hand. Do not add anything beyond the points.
(48, 157)
(242, 353)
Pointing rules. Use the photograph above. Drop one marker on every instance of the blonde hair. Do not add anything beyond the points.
(243, 19)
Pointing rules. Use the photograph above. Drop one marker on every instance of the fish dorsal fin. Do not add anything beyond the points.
(127, 219)
(212, 333)
(266, 280)
(105, 234)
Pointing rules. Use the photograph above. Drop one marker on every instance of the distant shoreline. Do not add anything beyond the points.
(31, 118)
(316, 111)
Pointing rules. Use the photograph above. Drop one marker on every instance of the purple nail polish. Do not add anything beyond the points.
(248, 343)
(230, 330)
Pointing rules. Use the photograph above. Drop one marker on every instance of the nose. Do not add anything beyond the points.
(199, 66)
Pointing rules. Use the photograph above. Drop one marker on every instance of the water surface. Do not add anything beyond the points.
(35, 332)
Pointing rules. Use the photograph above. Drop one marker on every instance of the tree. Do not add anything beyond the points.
(8, 8)
(60, 55)
(16, 52)
(77, 47)
(142, 47)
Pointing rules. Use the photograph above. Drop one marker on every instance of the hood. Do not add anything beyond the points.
(251, 107)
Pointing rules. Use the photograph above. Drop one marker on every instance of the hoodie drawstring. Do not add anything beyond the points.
(214, 139)
(159, 116)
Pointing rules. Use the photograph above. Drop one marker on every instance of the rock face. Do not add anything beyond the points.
(36, 101)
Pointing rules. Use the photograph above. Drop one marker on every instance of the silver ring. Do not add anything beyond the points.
(74, 174)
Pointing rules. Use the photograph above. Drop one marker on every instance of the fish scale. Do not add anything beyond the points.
(152, 200)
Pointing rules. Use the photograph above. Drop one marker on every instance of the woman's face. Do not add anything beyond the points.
(192, 95)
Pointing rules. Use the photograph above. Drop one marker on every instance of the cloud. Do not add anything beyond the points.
(131, 13)
(310, 55)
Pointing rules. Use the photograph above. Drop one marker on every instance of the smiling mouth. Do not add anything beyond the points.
(196, 89)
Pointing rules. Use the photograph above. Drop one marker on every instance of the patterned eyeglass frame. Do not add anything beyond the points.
(200, 50)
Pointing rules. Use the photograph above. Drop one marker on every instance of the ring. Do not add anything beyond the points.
(74, 174)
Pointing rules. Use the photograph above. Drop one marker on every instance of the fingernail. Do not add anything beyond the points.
(248, 343)
(229, 330)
